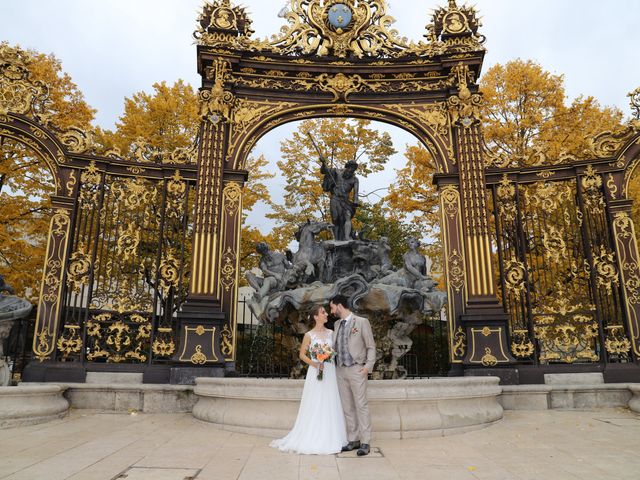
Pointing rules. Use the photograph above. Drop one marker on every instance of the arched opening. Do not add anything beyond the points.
(396, 200)
(632, 191)
(26, 186)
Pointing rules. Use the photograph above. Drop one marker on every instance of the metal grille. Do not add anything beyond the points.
(271, 350)
(128, 268)
(555, 263)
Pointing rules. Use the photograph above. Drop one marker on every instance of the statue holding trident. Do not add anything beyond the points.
(343, 188)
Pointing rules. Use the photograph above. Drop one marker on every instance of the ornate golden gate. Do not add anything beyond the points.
(337, 58)
(567, 260)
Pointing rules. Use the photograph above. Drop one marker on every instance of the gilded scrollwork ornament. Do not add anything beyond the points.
(228, 270)
(455, 266)
(77, 140)
(555, 247)
(488, 359)
(592, 187)
(220, 24)
(605, 269)
(169, 271)
(198, 358)
(232, 194)
(617, 343)
(521, 345)
(19, 93)
(465, 107)
(338, 27)
(226, 341)
(163, 347)
(459, 347)
(118, 337)
(70, 342)
(340, 85)
(514, 273)
(217, 104)
(78, 269)
(506, 199)
(451, 200)
(634, 100)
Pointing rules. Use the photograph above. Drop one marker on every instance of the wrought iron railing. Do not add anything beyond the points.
(271, 350)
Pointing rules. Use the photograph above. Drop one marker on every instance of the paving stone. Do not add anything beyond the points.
(547, 444)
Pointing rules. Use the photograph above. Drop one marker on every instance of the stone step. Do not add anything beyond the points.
(113, 377)
(593, 378)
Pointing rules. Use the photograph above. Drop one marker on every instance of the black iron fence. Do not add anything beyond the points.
(271, 350)
(16, 346)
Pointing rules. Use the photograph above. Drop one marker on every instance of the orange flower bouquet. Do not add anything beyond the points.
(321, 352)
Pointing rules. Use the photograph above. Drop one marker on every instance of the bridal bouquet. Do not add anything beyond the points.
(321, 352)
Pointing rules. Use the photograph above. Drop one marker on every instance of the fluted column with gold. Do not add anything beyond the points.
(201, 317)
(484, 321)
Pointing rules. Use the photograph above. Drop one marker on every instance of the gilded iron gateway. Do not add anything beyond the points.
(143, 242)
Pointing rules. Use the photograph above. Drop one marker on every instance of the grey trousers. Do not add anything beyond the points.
(352, 386)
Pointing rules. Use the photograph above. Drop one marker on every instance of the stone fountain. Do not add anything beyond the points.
(395, 299)
(12, 308)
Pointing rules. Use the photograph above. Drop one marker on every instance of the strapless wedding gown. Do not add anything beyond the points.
(320, 427)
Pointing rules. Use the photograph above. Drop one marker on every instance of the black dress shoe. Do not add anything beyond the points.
(363, 450)
(351, 446)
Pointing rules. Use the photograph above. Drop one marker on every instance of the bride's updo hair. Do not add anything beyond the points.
(312, 313)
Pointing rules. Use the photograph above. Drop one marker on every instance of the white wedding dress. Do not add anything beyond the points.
(320, 427)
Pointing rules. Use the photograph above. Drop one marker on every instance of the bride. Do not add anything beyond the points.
(320, 427)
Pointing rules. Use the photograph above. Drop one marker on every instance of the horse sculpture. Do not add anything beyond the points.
(309, 259)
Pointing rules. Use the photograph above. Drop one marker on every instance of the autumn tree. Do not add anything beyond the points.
(414, 198)
(339, 140)
(26, 183)
(380, 220)
(526, 113)
(255, 191)
(166, 119)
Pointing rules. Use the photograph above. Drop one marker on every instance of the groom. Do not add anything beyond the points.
(356, 354)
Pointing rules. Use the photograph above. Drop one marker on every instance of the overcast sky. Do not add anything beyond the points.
(114, 48)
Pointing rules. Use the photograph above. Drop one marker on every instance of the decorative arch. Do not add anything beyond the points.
(436, 142)
(42, 142)
(349, 65)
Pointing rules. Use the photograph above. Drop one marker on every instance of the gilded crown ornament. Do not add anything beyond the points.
(340, 28)
(635, 102)
(19, 92)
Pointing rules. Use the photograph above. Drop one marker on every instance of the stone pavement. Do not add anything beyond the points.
(548, 445)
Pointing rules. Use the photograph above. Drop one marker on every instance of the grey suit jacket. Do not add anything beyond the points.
(360, 342)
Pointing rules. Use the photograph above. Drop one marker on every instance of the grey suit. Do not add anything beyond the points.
(351, 383)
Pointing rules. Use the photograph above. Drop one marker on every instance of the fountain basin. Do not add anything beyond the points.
(399, 408)
(20, 406)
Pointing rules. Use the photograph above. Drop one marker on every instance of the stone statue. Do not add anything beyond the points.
(343, 186)
(12, 308)
(401, 342)
(5, 287)
(386, 266)
(349, 264)
(413, 274)
(274, 267)
(310, 256)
